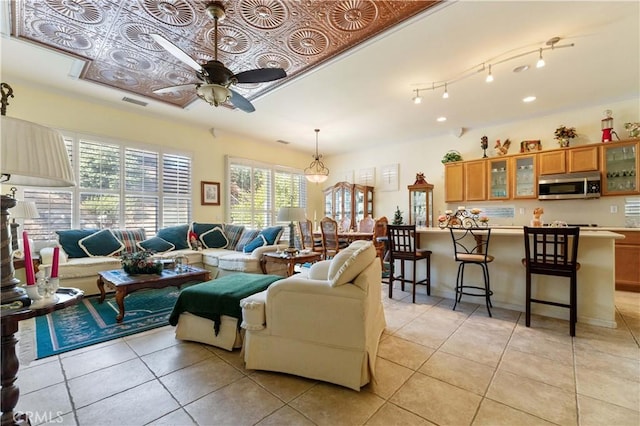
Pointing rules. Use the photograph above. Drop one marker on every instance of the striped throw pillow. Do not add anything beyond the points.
(130, 238)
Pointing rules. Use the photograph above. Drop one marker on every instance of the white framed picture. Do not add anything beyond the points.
(389, 178)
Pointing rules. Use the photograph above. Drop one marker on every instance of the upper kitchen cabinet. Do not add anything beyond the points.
(453, 182)
(475, 180)
(620, 168)
(569, 160)
(524, 177)
(499, 182)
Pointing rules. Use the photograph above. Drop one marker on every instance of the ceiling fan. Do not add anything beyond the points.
(215, 78)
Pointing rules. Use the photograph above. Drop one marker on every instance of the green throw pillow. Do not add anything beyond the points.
(156, 245)
(101, 243)
(68, 240)
(176, 235)
(258, 241)
(213, 238)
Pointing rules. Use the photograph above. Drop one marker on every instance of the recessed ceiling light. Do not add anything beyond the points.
(441, 119)
(529, 99)
(521, 68)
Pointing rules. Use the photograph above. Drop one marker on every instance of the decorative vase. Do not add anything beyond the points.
(564, 142)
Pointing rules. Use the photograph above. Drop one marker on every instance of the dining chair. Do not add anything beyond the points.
(402, 241)
(308, 240)
(331, 243)
(471, 247)
(380, 239)
(366, 224)
(554, 252)
(345, 225)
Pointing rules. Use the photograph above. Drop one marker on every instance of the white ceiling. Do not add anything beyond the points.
(363, 98)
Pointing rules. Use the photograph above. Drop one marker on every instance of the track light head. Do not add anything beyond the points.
(489, 78)
(417, 99)
(445, 95)
(540, 62)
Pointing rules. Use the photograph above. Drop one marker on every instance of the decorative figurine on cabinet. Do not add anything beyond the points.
(607, 127)
(420, 180)
(536, 222)
(484, 144)
(502, 149)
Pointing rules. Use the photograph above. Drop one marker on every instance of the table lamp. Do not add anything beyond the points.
(22, 210)
(291, 214)
(30, 155)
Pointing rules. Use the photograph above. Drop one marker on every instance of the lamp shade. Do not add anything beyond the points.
(34, 155)
(291, 214)
(24, 210)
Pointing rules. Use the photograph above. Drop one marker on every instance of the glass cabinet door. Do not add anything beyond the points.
(498, 179)
(338, 204)
(348, 205)
(369, 211)
(328, 204)
(421, 205)
(524, 177)
(620, 174)
(359, 204)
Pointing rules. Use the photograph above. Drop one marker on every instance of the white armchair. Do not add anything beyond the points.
(324, 326)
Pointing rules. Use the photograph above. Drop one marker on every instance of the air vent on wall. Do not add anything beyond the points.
(134, 101)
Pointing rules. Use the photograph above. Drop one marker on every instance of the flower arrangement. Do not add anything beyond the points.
(633, 129)
(140, 263)
(563, 134)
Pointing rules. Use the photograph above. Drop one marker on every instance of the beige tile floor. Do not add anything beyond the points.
(435, 367)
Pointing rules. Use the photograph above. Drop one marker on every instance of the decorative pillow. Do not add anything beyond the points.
(68, 240)
(156, 245)
(233, 233)
(201, 228)
(258, 241)
(130, 238)
(350, 261)
(101, 243)
(248, 235)
(176, 235)
(272, 234)
(213, 238)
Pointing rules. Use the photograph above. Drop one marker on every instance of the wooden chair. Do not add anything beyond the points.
(330, 241)
(552, 251)
(366, 225)
(345, 225)
(380, 238)
(308, 241)
(471, 247)
(402, 247)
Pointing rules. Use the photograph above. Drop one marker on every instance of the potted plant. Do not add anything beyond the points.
(563, 134)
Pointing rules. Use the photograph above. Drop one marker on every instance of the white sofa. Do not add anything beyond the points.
(82, 272)
(324, 326)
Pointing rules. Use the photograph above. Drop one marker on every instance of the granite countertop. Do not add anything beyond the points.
(590, 232)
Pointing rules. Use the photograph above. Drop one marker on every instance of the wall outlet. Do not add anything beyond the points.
(613, 209)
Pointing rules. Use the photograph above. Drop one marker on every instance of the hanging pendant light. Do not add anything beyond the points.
(316, 172)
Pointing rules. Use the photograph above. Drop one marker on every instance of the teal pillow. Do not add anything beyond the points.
(258, 241)
(233, 233)
(272, 234)
(68, 240)
(101, 243)
(201, 228)
(176, 235)
(156, 245)
(214, 238)
(247, 236)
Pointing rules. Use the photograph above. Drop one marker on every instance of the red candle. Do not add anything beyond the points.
(56, 259)
(28, 263)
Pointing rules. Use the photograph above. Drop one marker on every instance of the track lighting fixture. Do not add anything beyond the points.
(489, 78)
(550, 44)
(540, 62)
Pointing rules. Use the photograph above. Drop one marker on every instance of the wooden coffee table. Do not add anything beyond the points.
(124, 283)
(289, 260)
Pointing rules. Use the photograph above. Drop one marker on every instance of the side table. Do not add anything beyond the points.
(289, 260)
(9, 319)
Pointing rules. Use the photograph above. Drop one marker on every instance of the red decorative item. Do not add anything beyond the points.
(607, 127)
(28, 262)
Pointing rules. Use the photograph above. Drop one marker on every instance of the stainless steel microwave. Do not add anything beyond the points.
(569, 186)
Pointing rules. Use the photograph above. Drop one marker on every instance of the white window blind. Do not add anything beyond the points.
(176, 202)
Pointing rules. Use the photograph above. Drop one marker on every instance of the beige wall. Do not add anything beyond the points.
(425, 156)
(72, 115)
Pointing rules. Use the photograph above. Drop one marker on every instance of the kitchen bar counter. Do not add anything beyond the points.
(596, 277)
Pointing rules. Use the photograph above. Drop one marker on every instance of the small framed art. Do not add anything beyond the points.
(210, 193)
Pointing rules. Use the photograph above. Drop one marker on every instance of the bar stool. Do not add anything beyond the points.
(553, 251)
(402, 247)
(471, 246)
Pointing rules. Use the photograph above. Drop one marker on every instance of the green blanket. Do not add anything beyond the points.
(215, 298)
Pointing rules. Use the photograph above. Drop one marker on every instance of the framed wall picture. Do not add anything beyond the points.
(210, 193)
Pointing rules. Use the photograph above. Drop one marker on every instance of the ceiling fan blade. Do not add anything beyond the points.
(260, 75)
(241, 102)
(175, 88)
(176, 51)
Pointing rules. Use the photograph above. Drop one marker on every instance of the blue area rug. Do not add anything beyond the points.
(89, 322)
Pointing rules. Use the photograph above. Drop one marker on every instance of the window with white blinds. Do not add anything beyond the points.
(118, 186)
(257, 191)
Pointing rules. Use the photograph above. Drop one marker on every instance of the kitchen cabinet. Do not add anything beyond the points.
(499, 182)
(421, 204)
(350, 201)
(475, 180)
(620, 168)
(523, 177)
(569, 160)
(454, 182)
(627, 260)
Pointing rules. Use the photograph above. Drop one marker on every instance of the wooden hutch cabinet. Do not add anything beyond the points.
(421, 205)
(348, 200)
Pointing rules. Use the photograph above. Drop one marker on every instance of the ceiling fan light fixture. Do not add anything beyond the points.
(317, 172)
(213, 94)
